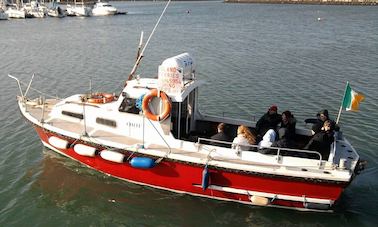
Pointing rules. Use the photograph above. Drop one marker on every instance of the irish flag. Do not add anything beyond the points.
(352, 99)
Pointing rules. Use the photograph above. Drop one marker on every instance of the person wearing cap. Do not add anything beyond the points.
(269, 120)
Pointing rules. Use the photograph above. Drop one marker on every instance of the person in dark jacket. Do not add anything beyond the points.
(269, 120)
(288, 121)
(321, 142)
(321, 117)
(222, 135)
(284, 140)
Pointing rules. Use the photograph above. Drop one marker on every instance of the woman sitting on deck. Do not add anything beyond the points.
(244, 139)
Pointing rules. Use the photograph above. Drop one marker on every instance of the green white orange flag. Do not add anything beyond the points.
(352, 99)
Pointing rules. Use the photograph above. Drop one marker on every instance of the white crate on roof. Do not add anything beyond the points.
(173, 71)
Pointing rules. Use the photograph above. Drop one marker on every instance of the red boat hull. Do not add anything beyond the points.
(187, 178)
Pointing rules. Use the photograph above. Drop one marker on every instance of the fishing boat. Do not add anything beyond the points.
(103, 9)
(152, 133)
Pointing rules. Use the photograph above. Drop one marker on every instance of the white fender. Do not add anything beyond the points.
(112, 156)
(259, 200)
(85, 150)
(58, 142)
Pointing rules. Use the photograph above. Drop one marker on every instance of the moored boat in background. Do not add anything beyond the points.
(103, 9)
(79, 9)
(15, 12)
(55, 11)
(35, 9)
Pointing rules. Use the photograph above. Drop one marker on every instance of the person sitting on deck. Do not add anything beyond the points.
(321, 142)
(284, 141)
(321, 117)
(222, 135)
(244, 139)
(267, 141)
(288, 122)
(269, 120)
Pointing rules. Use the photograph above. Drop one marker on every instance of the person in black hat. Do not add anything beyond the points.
(269, 120)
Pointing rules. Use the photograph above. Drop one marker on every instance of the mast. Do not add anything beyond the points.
(140, 55)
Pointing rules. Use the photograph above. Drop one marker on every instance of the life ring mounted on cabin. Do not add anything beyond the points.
(167, 106)
(100, 98)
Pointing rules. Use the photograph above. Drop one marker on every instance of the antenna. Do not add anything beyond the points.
(140, 55)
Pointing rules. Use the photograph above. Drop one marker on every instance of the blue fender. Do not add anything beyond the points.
(142, 162)
(205, 178)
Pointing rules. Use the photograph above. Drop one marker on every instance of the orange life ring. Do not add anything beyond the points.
(167, 107)
(100, 98)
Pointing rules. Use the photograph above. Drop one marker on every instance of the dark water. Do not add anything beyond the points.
(252, 55)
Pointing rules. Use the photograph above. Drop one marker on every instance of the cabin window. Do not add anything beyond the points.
(107, 122)
(128, 105)
(72, 114)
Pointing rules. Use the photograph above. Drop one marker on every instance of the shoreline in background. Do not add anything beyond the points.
(313, 2)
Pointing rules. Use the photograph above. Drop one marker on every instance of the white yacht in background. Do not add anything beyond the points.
(14, 11)
(79, 9)
(103, 9)
(35, 9)
(55, 11)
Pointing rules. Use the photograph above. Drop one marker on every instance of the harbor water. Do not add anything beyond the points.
(298, 57)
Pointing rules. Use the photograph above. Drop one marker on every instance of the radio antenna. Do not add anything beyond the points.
(140, 55)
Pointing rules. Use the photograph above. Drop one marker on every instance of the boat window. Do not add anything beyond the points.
(128, 105)
(71, 114)
(107, 122)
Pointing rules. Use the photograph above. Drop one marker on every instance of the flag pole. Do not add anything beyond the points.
(341, 106)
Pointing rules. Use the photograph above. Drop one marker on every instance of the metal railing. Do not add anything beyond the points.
(278, 149)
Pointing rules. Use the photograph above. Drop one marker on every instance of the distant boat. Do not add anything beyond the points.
(15, 12)
(35, 9)
(3, 15)
(103, 9)
(55, 11)
(79, 10)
